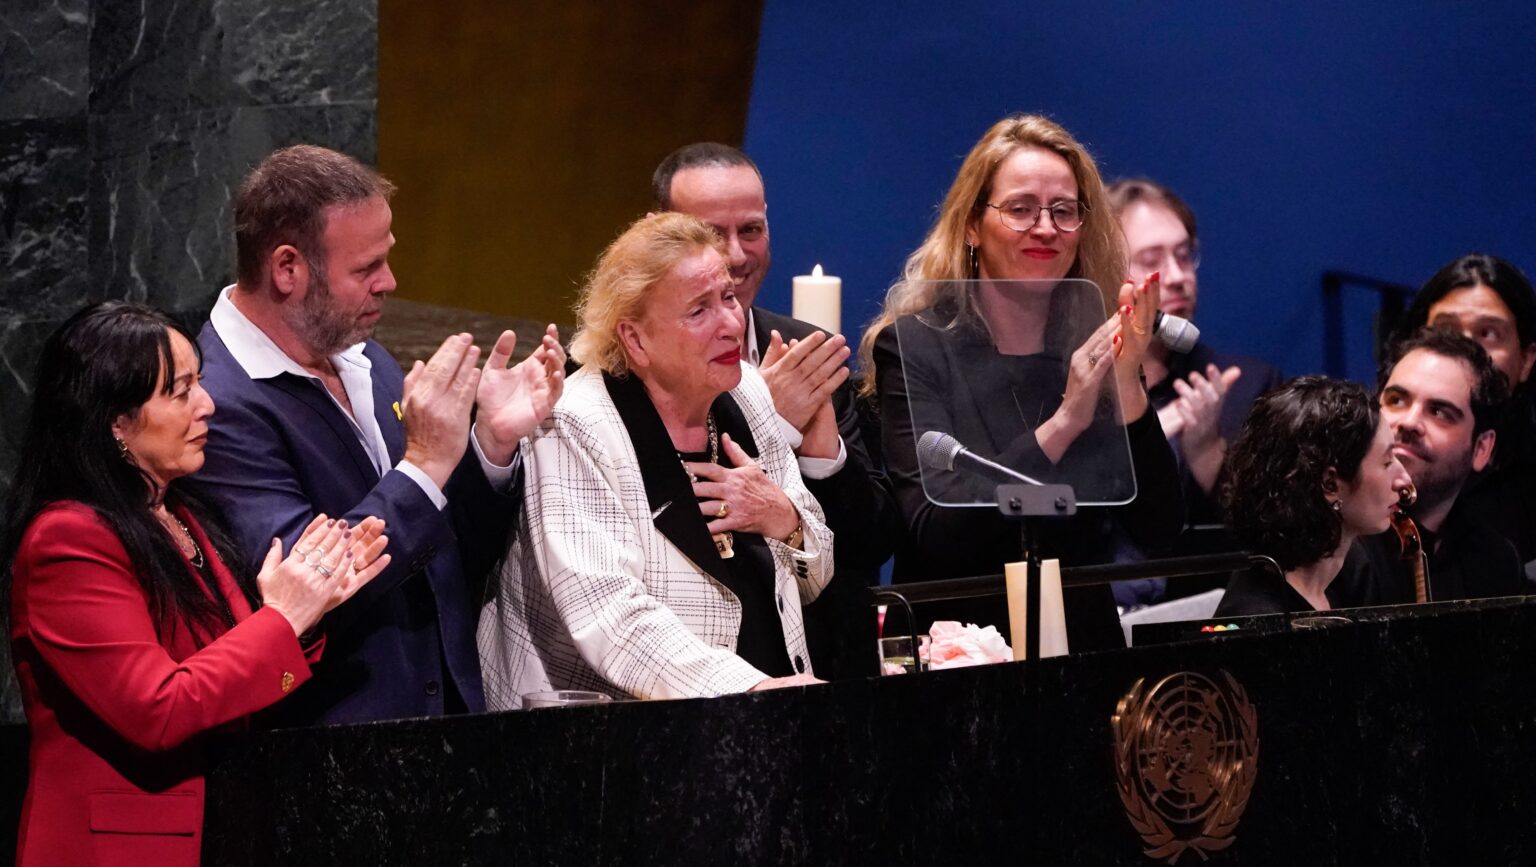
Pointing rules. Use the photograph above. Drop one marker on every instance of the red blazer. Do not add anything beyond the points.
(117, 714)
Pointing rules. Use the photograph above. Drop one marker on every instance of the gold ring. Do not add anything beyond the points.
(1139, 329)
(725, 509)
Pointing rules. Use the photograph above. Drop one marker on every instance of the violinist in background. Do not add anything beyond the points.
(1313, 469)
(1443, 397)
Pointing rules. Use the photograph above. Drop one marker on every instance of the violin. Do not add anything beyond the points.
(1412, 543)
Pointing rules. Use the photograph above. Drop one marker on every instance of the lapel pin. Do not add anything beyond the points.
(398, 414)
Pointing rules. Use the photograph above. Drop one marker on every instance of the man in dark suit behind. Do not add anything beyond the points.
(807, 376)
(313, 417)
(1442, 397)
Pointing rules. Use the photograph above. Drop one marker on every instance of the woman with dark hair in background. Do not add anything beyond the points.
(1311, 470)
(996, 371)
(134, 628)
(1492, 302)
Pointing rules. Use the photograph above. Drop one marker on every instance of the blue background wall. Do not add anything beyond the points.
(1306, 136)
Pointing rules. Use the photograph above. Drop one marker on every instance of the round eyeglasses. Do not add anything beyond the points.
(1066, 216)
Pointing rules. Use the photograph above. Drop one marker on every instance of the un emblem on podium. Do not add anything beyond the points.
(1186, 756)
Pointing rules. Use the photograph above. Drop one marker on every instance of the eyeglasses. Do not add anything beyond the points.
(1186, 256)
(1066, 216)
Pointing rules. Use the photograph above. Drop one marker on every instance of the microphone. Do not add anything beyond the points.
(1177, 333)
(940, 451)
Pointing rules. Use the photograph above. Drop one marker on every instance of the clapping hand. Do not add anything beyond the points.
(1138, 315)
(512, 401)
(435, 407)
(1198, 409)
(803, 374)
(327, 565)
(1086, 370)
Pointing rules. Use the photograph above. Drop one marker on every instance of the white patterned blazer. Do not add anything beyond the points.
(606, 586)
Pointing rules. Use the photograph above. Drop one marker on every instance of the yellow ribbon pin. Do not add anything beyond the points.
(398, 414)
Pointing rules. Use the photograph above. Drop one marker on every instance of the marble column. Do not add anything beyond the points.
(125, 128)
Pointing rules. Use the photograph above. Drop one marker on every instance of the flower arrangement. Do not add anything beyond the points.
(953, 645)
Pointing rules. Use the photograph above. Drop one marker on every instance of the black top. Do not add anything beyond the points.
(864, 519)
(747, 575)
(989, 402)
(750, 577)
(1467, 560)
(1258, 378)
(1258, 590)
(1504, 496)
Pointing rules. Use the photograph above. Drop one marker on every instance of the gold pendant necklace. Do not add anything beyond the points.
(723, 540)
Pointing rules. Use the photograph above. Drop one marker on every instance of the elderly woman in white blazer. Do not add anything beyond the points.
(667, 541)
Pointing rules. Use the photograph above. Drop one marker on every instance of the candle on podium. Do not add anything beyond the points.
(819, 300)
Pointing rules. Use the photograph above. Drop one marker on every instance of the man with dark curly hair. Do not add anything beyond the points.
(1444, 399)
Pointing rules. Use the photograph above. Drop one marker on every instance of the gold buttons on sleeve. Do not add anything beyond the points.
(288, 680)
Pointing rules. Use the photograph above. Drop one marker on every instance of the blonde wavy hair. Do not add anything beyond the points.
(618, 287)
(943, 255)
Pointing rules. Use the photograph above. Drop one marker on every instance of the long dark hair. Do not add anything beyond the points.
(102, 363)
(1474, 269)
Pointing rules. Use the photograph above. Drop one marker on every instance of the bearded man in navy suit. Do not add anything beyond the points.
(314, 417)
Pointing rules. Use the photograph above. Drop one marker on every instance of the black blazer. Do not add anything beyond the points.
(865, 520)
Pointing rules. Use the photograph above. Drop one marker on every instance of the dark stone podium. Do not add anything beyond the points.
(1406, 737)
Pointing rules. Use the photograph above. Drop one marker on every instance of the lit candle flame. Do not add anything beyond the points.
(816, 272)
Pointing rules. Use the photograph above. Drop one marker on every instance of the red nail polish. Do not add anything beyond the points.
(1117, 340)
(1155, 275)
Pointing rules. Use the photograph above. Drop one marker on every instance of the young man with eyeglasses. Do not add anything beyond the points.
(1203, 396)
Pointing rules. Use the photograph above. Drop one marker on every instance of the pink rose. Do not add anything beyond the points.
(957, 646)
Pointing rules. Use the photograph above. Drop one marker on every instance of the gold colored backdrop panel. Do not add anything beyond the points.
(523, 136)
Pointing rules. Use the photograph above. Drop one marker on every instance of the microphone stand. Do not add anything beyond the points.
(1027, 504)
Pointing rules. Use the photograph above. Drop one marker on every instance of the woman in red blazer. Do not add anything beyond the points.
(134, 633)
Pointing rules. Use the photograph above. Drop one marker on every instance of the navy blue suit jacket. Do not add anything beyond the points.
(279, 452)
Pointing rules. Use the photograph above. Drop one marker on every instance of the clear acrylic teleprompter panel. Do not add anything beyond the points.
(987, 363)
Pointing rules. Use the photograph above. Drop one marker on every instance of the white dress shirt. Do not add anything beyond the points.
(261, 358)
(811, 468)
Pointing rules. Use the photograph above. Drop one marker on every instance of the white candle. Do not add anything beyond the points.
(1053, 615)
(1016, 579)
(819, 300)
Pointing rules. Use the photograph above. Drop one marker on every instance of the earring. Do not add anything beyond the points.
(1338, 506)
(975, 262)
(122, 450)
